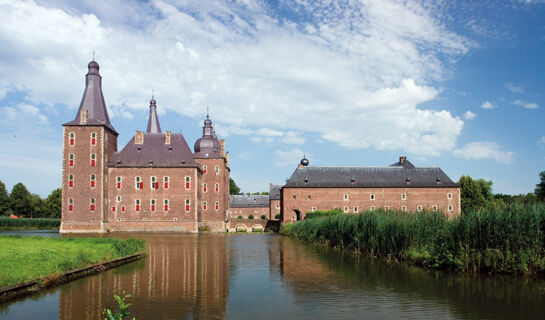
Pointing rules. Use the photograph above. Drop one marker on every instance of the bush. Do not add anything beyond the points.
(251, 216)
(239, 217)
(320, 214)
(263, 217)
(277, 216)
(26, 223)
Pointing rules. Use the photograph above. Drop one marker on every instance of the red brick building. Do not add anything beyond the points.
(243, 206)
(155, 183)
(274, 201)
(400, 186)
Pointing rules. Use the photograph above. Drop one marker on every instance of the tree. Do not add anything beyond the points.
(52, 204)
(20, 200)
(4, 199)
(233, 188)
(36, 206)
(474, 193)
(540, 187)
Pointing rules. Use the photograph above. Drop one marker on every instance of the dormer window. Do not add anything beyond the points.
(306, 180)
(353, 181)
(72, 138)
(408, 180)
(93, 138)
(438, 180)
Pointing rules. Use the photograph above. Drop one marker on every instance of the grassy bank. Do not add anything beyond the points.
(7, 223)
(27, 258)
(501, 240)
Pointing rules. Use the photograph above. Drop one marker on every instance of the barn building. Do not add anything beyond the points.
(400, 186)
(155, 183)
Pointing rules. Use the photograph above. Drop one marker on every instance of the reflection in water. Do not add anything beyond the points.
(182, 276)
(265, 276)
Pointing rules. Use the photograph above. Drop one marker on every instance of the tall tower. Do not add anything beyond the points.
(89, 142)
(214, 162)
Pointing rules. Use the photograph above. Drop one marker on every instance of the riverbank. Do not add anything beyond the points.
(23, 259)
(496, 240)
(7, 223)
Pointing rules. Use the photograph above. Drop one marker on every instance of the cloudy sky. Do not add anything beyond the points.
(447, 83)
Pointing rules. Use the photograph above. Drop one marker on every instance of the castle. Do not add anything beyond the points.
(155, 183)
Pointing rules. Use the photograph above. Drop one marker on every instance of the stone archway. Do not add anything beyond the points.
(257, 228)
(241, 228)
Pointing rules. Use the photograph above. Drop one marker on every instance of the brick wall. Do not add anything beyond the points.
(274, 206)
(303, 200)
(211, 218)
(247, 211)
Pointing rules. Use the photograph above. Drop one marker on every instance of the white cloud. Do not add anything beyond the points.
(527, 105)
(488, 105)
(513, 88)
(22, 114)
(469, 115)
(484, 150)
(289, 158)
(354, 75)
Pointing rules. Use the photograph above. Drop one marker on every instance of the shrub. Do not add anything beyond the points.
(263, 217)
(251, 216)
(277, 216)
(239, 217)
(26, 223)
(320, 214)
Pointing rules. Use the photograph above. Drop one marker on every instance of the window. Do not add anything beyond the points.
(93, 138)
(118, 198)
(345, 208)
(434, 207)
(314, 209)
(93, 159)
(123, 209)
(386, 207)
(204, 169)
(345, 197)
(70, 204)
(152, 205)
(217, 169)
(92, 203)
(309, 197)
(113, 209)
(165, 205)
(372, 208)
(138, 183)
(356, 209)
(403, 208)
(153, 183)
(92, 181)
(449, 195)
(204, 205)
(418, 208)
(187, 182)
(217, 187)
(165, 183)
(403, 196)
(450, 208)
(336, 208)
(71, 160)
(277, 205)
(204, 187)
(372, 196)
(294, 197)
(187, 203)
(70, 180)
(118, 182)
(72, 138)
(217, 205)
(137, 205)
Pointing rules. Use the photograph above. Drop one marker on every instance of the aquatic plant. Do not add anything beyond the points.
(124, 312)
(7, 223)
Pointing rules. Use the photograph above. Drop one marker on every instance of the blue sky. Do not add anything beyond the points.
(447, 83)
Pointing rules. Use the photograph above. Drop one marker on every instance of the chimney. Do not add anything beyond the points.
(139, 137)
(300, 166)
(167, 137)
(83, 116)
(227, 159)
(402, 159)
(222, 143)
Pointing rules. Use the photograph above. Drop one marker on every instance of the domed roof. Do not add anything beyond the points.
(304, 162)
(208, 145)
(93, 67)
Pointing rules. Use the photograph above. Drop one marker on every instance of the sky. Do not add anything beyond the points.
(454, 84)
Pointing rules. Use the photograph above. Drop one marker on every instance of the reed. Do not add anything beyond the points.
(28, 224)
(508, 239)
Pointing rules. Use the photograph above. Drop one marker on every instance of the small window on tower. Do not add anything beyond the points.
(372, 208)
(403, 196)
(434, 207)
(418, 208)
(165, 205)
(93, 159)
(314, 209)
(165, 183)
(93, 138)
(70, 204)
(449, 195)
(118, 182)
(217, 169)
(355, 209)
(204, 205)
(70, 180)
(187, 205)
(450, 208)
(118, 199)
(71, 160)
(217, 205)
(217, 187)
(72, 138)
(137, 205)
(92, 181)
(187, 182)
(294, 197)
(386, 207)
(204, 169)
(403, 208)
(92, 201)
(309, 197)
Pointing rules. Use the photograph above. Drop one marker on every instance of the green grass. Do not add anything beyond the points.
(498, 240)
(28, 258)
(7, 223)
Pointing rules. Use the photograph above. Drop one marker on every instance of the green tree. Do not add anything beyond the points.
(36, 206)
(4, 199)
(233, 188)
(474, 193)
(540, 187)
(52, 204)
(20, 200)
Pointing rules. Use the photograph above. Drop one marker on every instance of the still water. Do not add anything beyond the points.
(263, 276)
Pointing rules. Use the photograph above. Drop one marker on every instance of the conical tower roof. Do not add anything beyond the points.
(153, 122)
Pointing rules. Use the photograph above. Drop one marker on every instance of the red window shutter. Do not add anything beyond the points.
(70, 183)
(113, 208)
(137, 208)
(119, 185)
(157, 185)
(204, 171)
(123, 209)
(217, 206)
(70, 207)
(166, 185)
(166, 207)
(141, 185)
(92, 184)
(187, 207)
(187, 185)
(71, 163)
(93, 141)
(152, 207)
(204, 189)
(92, 207)
(92, 163)
(204, 206)
(71, 141)
(217, 188)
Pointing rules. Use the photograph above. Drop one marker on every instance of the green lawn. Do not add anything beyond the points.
(27, 258)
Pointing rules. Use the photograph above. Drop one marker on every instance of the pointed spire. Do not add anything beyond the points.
(153, 122)
(92, 109)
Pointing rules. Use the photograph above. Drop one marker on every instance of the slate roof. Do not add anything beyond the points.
(153, 121)
(93, 101)
(154, 149)
(252, 201)
(274, 191)
(208, 145)
(395, 176)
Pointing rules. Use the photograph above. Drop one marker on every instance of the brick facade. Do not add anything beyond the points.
(274, 209)
(234, 213)
(214, 193)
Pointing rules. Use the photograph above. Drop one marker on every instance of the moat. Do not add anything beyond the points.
(265, 276)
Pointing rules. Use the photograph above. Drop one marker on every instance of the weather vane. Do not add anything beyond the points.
(152, 93)
(94, 54)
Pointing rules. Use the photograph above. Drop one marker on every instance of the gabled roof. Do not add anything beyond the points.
(154, 152)
(274, 192)
(252, 201)
(368, 177)
(93, 101)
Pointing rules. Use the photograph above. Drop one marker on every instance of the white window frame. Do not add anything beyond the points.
(449, 196)
(419, 208)
(372, 197)
(346, 209)
(372, 208)
(404, 208)
(345, 197)
(450, 208)
(356, 209)
(403, 196)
